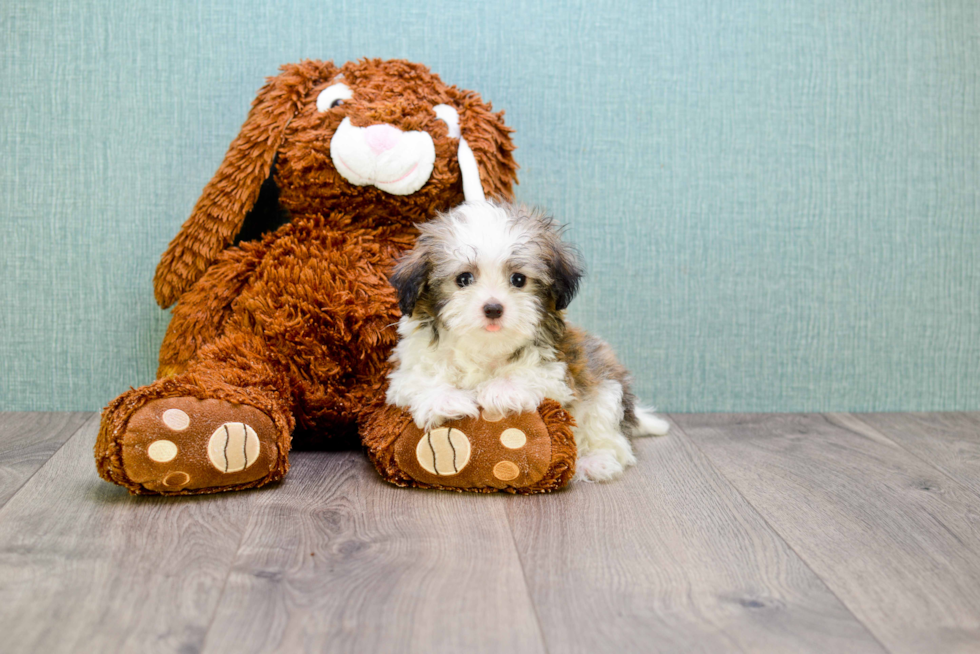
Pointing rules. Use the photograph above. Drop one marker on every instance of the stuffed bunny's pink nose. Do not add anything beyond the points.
(382, 137)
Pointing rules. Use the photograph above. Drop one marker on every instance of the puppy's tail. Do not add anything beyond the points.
(648, 424)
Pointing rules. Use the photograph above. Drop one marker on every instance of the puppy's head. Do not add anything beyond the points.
(495, 270)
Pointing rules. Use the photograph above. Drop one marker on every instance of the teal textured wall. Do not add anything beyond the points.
(777, 200)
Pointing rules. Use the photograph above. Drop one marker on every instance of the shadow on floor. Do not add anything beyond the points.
(344, 439)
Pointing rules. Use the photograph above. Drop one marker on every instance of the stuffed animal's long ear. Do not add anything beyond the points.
(409, 278)
(489, 139)
(231, 193)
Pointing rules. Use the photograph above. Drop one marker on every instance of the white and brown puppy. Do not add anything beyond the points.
(483, 295)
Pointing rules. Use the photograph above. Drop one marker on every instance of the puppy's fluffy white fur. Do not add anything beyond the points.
(483, 295)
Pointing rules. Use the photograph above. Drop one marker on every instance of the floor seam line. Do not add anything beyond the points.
(904, 449)
(231, 570)
(527, 586)
(779, 534)
(53, 454)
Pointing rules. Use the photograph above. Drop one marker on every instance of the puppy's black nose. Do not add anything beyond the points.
(493, 311)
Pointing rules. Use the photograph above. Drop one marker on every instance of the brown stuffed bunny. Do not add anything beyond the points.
(295, 327)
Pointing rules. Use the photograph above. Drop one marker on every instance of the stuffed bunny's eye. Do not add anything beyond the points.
(450, 116)
(333, 96)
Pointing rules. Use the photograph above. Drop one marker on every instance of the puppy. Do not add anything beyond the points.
(483, 297)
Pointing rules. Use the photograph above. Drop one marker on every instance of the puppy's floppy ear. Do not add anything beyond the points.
(409, 279)
(566, 273)
(489, 139)
(231, 193)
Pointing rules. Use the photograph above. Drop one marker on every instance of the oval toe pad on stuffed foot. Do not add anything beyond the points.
(183, 444)
(491, 452)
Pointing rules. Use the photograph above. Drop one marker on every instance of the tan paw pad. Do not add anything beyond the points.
(506, 471)
(491, 415)
(162, 451)
(176, 419)
(176, 480)
(513, 439)
(443, 451)
(233, 447)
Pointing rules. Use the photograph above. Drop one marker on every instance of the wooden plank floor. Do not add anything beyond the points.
(735, 533)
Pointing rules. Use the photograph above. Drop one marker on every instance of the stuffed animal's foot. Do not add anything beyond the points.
(477, 452)
(529, 452)
(186, 445)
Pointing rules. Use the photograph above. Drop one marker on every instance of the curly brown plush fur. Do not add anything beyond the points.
(299, 324)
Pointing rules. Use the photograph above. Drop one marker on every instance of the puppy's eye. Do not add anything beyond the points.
(518, 280)
(464, 279)
(333, 96)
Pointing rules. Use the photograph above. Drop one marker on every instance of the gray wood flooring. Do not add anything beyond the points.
(735, 533)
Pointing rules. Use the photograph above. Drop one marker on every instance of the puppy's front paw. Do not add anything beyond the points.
(598, 465)
(447, 404)
(504, 396)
